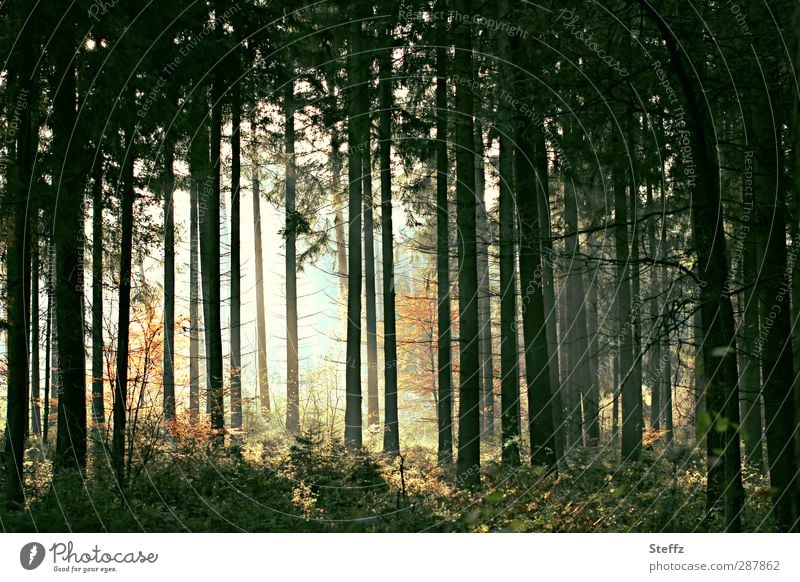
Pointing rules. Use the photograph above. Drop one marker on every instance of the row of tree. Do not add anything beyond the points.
(630, 154)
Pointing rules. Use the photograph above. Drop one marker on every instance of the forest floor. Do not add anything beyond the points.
(312, 485)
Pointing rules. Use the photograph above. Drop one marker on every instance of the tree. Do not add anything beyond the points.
(509, 356)
(391, 435)
(261, 327)
(68, 226)
(444, 337)
(292, 363)
(356, 137)
(468, 461)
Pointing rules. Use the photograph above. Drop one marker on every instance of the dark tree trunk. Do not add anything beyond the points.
(468, 462)
(71, 436)
(630, 397)
(373, 408)
(292, 361)
(18, 257)
(168, 186)
(576, 299)
(444, 332)
(357, 109)
(200, 184)
(773, 289)
(261, 326)
(484, 238)
(98, 402)
(236, 284)
(391, 434)
(750, 373)
(509, 355)
(35, 397)
(123, 322)
(210, 267)
(49, 345)
(654, 360)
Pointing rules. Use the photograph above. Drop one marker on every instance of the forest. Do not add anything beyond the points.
(399, 266)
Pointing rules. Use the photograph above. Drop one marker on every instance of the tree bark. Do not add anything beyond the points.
(468, 461)
(444, 324)
(124, 309)
(391, 434)
(373, 408)
(261, 326)
(357, 109)
(168, 186)
(71, 435)
(292, 361)
(236, 283)
(509, 355)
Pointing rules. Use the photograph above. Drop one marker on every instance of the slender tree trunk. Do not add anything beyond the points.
(168, 186)
(48, 340)
(292, 361)
(210, 267)
(509, 355)
(391, 434)
(18, 256)
(71, 436)
(654, 361)
(98, 402)
(357, 109)
(200, 182)
(261, 326)
(444, 332)
(484, 234)
(631, 399)
(775, 348)
(123, 322)
(576, 299)
(194, 297)
(750, 373)
(468, 462)
(373, 409)
(35, 401)
(236, 284)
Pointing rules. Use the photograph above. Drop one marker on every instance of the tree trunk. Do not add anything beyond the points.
(444, 332)
(373, 409)
(194, 296)
(292, 363)
(750, 373)
(236, 283)
(631, 399)
(576, 299)
(484, 235)
(98, 402)
(35, 399)
(509, 356)
(123, 322)
(18, 256)
(168, 186)
(391, 434)
(357, 109)
(261, 326)
(468, 462)
(654, 361)
(71, 436)
(210, 268)
(773, 289)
